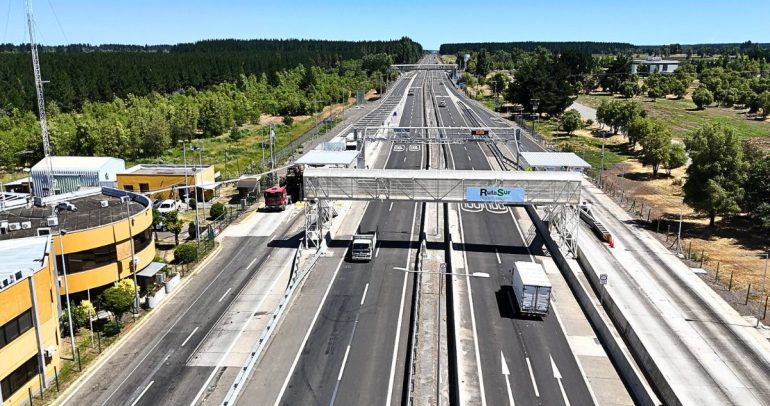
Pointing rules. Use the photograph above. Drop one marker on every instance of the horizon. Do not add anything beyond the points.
(144, 22)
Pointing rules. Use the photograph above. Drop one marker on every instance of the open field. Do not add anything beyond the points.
(680, 116)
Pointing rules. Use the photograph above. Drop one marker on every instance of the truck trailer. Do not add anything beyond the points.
(531, 289)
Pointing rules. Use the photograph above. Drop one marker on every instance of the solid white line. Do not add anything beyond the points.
(498, 256)
(255, 260)
(344, 361)
(473, 315)
(225, 294)
(377, 253)
(510, 392)
(189, 337)
(143, 392)
(232, 344)
(307, 334)
(532, 376)
(400, 314)
(363, 297)
(391, 206)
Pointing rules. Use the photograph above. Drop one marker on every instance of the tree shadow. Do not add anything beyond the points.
(741, 229)
(643, 176)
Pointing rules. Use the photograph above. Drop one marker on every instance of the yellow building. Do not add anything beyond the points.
(97, 237)
(29, 324)
(169, 180)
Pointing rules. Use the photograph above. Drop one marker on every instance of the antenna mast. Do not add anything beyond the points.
(40, 98)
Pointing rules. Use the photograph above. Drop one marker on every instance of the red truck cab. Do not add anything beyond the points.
(275, 198)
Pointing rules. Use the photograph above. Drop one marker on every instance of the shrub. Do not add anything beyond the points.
(702, 97)
(185, 253)
(589, 122)
(192, 203)
(288, 121)
(192, 230)
(217, 210)
(119, 297)
(236, 134)
(111, 328)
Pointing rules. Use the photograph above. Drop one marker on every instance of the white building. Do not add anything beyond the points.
(655, 64)
(73, 173)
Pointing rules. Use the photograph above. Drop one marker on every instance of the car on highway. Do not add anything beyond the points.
(441, 103)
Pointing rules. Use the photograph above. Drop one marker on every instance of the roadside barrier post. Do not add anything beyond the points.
(748, 292)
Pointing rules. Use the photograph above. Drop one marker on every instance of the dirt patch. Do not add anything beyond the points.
(734, 246)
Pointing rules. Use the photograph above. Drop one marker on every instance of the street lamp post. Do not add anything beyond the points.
(494, 85)
(203, 197)
(66, 286)
(186, 183)
(535, 104)
(132, 264)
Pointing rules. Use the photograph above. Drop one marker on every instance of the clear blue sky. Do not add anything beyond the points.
(429, 22)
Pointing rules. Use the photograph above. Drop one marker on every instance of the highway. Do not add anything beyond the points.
(360, 340)
(492, 241)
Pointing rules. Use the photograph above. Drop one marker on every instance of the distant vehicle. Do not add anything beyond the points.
(168, 205)
(363, 246)
(411, 92)
(531, 288)
(276, 198)
(441, 103)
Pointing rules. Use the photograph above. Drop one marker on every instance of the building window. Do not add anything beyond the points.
(665, 68)
(128, 188)
(88, 259)
(144, 187)
(16, 327)
(18, 378)
(142, 240)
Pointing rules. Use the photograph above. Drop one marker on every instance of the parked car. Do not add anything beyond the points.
(169, 205)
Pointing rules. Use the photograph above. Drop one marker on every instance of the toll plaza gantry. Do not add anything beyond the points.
(558, 192)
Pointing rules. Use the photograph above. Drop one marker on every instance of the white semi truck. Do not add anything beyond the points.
(363, 247)
(531, 288)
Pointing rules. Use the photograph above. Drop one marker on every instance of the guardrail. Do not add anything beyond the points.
(297, 275)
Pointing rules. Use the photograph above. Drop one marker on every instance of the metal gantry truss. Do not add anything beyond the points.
(558, 192)
(318, 216)
(441, 135)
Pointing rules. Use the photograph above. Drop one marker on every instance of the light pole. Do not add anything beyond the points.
(66, 287)
(203, 194)
(186, 183)
(494, 85)
(133, 263)
(535, 104)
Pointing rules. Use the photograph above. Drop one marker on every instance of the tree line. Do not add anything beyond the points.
(81, 73)
(589, 47)
(140, 127)
(724, 177)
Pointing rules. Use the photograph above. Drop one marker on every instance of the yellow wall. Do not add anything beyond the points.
(15, 300)
(114, 233)
(160, 182)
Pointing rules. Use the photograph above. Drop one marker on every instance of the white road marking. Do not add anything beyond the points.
(498, 256)
(363, 297)
(532, 376)
(557, 375)
(391, 206)
(469, 157)
(189, 337)
(225, 294)
(253, 261)
(377, 253)
(307, 334)
(344, 361)
(507, 373)
(143, 392)
(400, 314)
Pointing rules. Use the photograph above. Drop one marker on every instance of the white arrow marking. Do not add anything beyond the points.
(557, 375)
(507, 372)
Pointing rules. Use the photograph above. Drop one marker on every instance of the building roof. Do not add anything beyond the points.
(21, 257)
(89, 213)
(554, 160)
(321, 158)
(164, 169)
(76, 163)
(657, 61)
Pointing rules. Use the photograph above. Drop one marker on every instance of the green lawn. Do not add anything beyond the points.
(588, 148)
(681, 117)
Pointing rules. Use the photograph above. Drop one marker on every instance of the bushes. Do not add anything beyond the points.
(288, 121)
(185, 253)
(192, 230)
(217, 210)
(192, 203)
(702, 97)
(111, 328)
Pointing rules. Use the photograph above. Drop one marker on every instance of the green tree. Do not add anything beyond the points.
(571, 121)
(629, 88)
(545, 77)
(288, 121)
(157, 221)
(677, 157)
(762, 215)
(757, 180)
(173, 224)
(215, 116)
(702, 97)
(656, 147)
(217, 210)
(639, 129)
(185, 253)
(118, 298)
(764, 102)
(716, 173)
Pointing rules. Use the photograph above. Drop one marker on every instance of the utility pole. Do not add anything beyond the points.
(186, 183)
(535, 104)
(272, 156)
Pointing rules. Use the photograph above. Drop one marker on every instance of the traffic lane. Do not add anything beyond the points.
(384, 317)
(163, 361)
